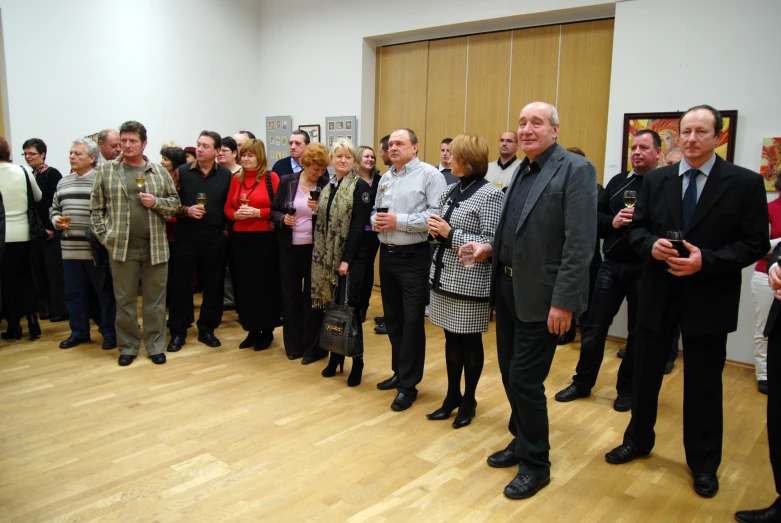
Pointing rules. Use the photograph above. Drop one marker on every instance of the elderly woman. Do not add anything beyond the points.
(362, 273)
(16, 275)
(459, 294)
(343, 212)
(46, 255)
(254, 247)
(292, 214)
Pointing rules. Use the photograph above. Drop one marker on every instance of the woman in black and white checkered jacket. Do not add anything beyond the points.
(470, 211)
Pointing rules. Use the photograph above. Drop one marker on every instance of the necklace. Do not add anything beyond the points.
(467, 187)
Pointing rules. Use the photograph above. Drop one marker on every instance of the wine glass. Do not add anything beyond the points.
(200, 199)
(468, 256)
(630, 198)
(315, 193)
(244, 199)
(65, 220)
(290, 208)
(676, 238)
(140, 181)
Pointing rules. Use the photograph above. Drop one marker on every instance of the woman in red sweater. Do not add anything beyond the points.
(256, 281)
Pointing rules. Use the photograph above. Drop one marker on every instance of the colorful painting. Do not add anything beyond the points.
(666, 124)
(771, 162)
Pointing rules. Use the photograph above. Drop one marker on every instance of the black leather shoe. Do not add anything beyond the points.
(263, 342)
(403, 401)
(126, 359)
(444, 412)
(292, 357)
(379, 320)
(249, 341)
(14, 332)
(208, 338)
(669, 366)
(311, 358)
(772, 514)
(571, 393)
(706, 484)
(503, 459)
(109, 343)
(624, 454)
(33, 326)
(465, 415)
(389, 384)
(175, 345)
(55, 319)
(622, 403)
(525, 486)
(381, 329)
(761, 384)
(72, 342)
(158, 359)
(621, 352)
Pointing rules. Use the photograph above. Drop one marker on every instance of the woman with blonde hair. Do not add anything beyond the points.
(343, 212)
(470, 210)
(293, 215)
(256, 282)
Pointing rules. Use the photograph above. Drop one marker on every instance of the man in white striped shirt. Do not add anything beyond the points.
(408, 194)
(72, 201)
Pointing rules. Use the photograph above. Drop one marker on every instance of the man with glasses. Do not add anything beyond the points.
(499, 172)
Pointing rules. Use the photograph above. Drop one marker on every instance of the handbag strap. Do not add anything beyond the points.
(30, 197)
(343, 289)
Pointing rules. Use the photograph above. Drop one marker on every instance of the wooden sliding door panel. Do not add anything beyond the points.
(446, 94)
(584, 87)
(535, 68)
(488, 85)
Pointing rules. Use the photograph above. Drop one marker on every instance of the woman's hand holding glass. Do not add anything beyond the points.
(245, 211)
(437, 226)
(312, 204)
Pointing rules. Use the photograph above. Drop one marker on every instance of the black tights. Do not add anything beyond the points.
(463, 351)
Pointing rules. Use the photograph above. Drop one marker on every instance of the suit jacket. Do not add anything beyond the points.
(729, 227)
(283, 167)
(554, 238)
(288, 185)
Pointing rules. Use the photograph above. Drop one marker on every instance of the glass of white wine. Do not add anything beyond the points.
(630, 198)
(244, 199)
(66, 221)
(200, 199)
(140, 181)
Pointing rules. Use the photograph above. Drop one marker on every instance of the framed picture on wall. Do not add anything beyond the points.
(313, 131)
(666, 125)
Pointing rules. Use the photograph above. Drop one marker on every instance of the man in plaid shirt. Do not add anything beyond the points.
(128, 219)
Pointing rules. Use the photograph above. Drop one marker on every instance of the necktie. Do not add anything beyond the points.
(690, 199)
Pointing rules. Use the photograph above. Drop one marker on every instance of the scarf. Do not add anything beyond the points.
(41, 167)
(331, 238)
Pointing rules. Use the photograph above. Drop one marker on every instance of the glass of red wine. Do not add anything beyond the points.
(315, 193)
(676, 238)
(290, 208)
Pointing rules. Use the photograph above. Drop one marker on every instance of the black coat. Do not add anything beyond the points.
(47, 181)
(286, 191)
(729, 227)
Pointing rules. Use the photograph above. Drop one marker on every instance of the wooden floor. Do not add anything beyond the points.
(235, 435)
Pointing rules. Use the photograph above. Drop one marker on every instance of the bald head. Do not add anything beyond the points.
(108, 143)
(538, 128)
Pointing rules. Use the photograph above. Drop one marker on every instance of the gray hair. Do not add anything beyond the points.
(554, 115)
(103, 135)
(92, 148)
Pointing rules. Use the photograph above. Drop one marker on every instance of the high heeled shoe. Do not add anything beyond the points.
(249, 341)
(354, 379)
(444, 412)
(13, 332)
(464, 416)
(33, 326)
(335, 361)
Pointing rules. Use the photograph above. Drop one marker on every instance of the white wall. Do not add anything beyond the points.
(669, 55)
(75, 67)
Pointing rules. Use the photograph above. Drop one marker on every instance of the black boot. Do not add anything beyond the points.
(33, 326)
(337, 360)
(249, 341)
(354, 379)
(14, 332)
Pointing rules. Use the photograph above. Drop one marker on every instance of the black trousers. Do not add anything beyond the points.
(17, 282)
(774, 402)
(703, 358)
(256, 281)
(615, 281)
(208, 256)
(301, 323)
(46, 258)
(525, 353)
(362, 271)
(404, 290)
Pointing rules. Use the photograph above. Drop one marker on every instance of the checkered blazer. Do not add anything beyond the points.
(110, 212)
(473, 220)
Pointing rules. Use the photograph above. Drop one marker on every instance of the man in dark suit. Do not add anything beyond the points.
(292, 164)
(541, 256)
(721, 209)
(773, 332)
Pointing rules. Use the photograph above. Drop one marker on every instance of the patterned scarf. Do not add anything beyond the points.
(331, 238)
(41, 167)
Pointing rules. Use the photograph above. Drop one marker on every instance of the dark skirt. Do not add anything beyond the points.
(256, 281)
(17, 282)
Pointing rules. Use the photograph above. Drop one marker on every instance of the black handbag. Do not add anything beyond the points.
(339, 332)
(37, 231)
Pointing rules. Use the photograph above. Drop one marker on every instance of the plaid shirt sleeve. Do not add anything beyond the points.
(98, 205)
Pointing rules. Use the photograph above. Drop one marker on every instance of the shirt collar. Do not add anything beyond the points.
(705, 168)
(541, 159)
(407, 167)
(506, 165)
(195, 166)
(295, 164)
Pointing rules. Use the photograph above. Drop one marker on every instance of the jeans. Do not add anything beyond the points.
(79, 276)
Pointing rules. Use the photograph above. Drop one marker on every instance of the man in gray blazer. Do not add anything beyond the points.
(541, 256)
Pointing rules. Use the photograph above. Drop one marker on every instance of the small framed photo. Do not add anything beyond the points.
(278, 124)
(284, 140)
(349, 137)
(284, 124)
(271, 125)
(312, 130)
(330, 126)
(339, 125)
(277, 141)
(330, 140)
(348, 124)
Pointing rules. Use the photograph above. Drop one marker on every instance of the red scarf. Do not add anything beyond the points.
(41, 167)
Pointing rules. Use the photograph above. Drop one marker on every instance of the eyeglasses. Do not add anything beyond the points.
(30, 154)
(502, 140)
